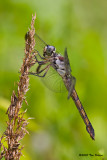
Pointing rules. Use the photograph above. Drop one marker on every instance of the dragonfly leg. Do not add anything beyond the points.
(38, 54)
(38, 68)
(40, 62)
(37, 73)
(36, 57)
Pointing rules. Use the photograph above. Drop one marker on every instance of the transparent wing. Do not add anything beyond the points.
(52, 79)
(71, 86)
(40, 41)
(67, 63)
(68, 72)
(40, 44)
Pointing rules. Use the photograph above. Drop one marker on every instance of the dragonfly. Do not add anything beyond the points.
(50, 58)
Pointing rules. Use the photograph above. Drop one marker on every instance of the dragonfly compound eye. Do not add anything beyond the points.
(49, 50)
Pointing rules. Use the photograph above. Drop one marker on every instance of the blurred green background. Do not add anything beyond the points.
(57, 131)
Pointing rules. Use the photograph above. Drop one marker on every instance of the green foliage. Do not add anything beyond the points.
(57, 130)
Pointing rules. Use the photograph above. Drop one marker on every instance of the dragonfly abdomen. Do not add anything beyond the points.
(83, 114)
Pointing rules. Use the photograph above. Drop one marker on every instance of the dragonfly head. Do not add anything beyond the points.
(48, 51)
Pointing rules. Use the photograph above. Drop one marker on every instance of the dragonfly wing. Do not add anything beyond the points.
(68, 73)
(73, 82)
(67, 63)
(38, 39)
(39, 46)
(53, 81)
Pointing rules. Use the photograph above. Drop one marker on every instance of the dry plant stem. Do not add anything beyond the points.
(16, 124)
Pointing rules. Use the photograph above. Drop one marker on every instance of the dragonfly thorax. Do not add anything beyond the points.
(48, 50)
